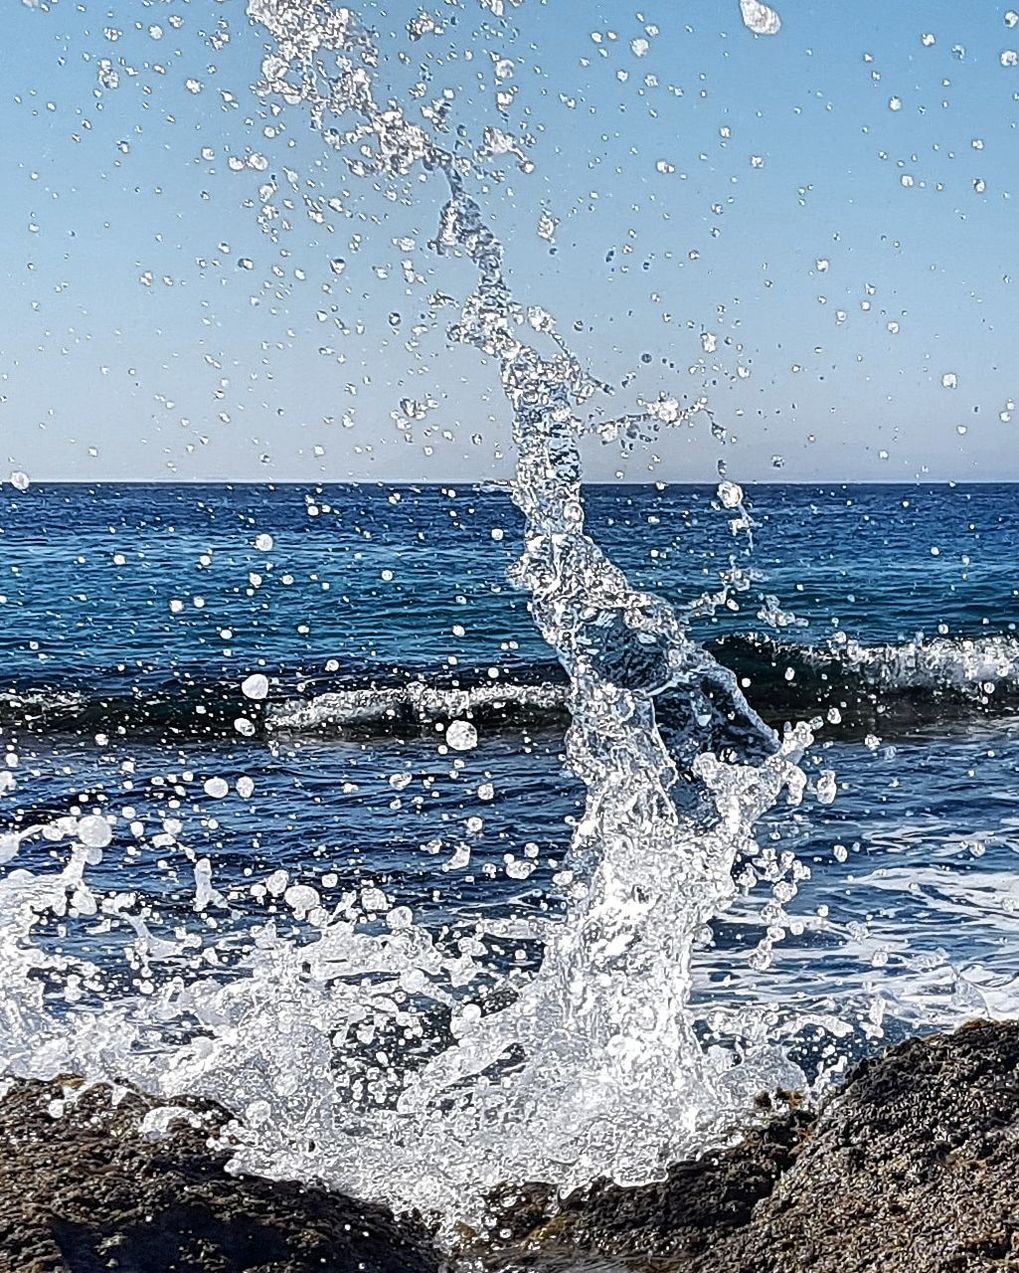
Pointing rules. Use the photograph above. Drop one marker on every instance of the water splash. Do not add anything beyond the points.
(760, 18)
(368, 1057)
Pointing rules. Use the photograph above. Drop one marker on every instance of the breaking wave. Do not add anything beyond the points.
(894, 686)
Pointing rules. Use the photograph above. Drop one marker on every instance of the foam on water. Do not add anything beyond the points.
(976, 666)
(381, 1057)
(416, 702)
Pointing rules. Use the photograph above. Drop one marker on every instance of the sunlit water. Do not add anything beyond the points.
(308, 835)
(906, 921)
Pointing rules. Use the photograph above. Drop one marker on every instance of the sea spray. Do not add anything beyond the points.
(602, 1036)
(378, 1056)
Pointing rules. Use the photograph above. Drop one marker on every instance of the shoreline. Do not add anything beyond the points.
(912, 1166)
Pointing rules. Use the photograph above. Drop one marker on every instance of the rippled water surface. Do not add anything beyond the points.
(132, 616)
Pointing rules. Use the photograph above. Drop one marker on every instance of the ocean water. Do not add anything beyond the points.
(133, 615)
(446, 835)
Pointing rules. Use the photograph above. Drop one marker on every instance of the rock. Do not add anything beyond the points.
(84, 1189)
(679, 1216)
(912, 1167)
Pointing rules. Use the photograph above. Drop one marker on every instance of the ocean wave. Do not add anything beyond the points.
(861, 687)
(31, 706)
(976, 667)
(918, 681)
(391, 708)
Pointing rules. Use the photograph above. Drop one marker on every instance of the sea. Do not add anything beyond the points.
(273, 699)
(132, 616)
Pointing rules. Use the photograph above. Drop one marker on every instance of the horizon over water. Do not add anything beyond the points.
(479, 481)
(445, 833)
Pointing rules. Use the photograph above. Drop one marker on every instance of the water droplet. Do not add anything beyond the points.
(256, 686)
(94, 832)
(826, 787)
(760, 18)
(461, 736)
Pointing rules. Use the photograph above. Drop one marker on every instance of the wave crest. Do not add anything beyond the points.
(891, 685)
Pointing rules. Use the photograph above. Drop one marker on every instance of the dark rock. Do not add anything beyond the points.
(85, 1192)
(912, 1167)
(679, 1216)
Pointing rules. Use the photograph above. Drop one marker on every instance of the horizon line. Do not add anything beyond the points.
(498, 484)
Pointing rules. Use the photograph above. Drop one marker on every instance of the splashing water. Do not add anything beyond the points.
(760, 18)
(366, 1057)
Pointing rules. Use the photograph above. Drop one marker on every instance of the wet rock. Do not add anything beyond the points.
(679, 1216)
(85, 1189)
(913, 1167)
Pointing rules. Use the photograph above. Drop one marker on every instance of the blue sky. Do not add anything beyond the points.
(830, 211)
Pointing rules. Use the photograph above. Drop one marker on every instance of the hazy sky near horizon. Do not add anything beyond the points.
(814, 229)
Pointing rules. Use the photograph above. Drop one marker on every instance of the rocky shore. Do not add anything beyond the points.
(913, 1167)
(86, 1186)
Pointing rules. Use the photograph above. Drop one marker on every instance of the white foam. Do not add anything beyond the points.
(975, 665)
(416, 701)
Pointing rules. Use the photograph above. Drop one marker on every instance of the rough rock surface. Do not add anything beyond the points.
(87, 1191)
(913, 1167)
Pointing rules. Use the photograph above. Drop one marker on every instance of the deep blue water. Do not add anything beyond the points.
(89, 571)
(130, 616)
